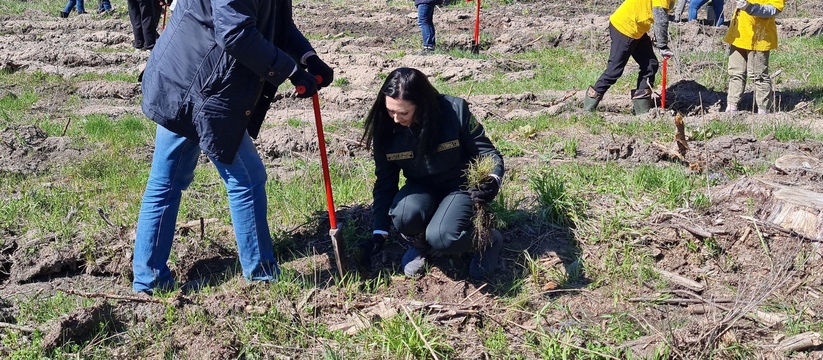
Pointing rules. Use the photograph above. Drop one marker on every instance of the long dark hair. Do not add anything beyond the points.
(410, 85)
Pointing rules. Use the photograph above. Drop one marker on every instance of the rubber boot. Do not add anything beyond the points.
(592, 100)
(64, 14)
(642, 101)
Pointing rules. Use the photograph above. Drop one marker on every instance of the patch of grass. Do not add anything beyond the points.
(557, 205)
(21, 101)
(785, 132)
(717, 128)
(39, 310)
(672, 185)
(402, 337)
(18, 8)
(554, 69)
(116, 76)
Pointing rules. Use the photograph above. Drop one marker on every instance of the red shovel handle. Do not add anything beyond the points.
(663, 90)
(321, 142)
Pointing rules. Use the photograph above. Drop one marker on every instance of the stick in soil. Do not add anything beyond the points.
(420, 333)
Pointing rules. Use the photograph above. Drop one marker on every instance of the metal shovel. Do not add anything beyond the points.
(335, 234)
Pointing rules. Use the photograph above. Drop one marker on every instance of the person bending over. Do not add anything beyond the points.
(432, 138)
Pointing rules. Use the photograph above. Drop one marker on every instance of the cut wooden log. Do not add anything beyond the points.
(799, 342)
(791, 209)
(792, 163)
(795, 209)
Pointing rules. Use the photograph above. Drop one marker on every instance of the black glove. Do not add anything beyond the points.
(486, 191)
(369, 248)
(318, 67)
(304, 82)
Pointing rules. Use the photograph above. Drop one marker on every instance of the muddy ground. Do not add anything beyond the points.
(356, 39)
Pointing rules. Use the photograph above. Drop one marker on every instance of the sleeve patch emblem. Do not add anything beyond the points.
(400, 156)
(448, 145)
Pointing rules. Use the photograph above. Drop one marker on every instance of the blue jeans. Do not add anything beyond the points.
(425, 13)
(717, 7)
(105, 5)
(70, 5)
(172, 171)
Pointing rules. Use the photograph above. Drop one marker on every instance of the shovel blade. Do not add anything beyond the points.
(339, 249)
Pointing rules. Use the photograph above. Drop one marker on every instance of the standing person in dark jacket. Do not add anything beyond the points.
(432, 138)
(144, 16)
(425, 19)
(627, 29)
(208, 85)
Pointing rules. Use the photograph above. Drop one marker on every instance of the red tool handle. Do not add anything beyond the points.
(165, 7)
(476, 24)
(663, 91)
(324, 160)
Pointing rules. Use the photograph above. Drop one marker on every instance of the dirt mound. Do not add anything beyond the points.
(28, 150)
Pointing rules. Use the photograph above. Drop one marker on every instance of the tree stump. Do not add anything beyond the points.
(791, 209)
(792, 163)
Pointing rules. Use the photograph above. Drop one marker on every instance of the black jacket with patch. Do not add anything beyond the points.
(462, 139)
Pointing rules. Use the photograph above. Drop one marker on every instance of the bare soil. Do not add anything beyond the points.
(355, 38)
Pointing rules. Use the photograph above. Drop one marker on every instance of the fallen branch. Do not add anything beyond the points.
(778, 228)
(677, 300)
(696, 231)
(115, 297)
(680, 280)
(21, 328)
(474, 292)
(799, 342)
(764, 318)
(455, 313)
(104, 216)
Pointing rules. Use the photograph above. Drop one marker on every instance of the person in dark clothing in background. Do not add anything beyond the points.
(144, 16)
(432, 138)
(208, 85)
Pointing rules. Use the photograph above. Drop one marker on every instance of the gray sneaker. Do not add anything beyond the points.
(484, 263)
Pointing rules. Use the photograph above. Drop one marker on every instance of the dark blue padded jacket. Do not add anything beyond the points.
(215, 68)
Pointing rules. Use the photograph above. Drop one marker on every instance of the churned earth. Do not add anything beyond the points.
(359, 39)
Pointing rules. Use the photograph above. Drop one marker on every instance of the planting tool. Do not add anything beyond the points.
(165, 7)
(334, 231)
(476, 46)
(663, 91)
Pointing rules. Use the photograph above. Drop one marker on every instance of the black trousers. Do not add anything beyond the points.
(445, 217)
(623, 47)
(145, 16)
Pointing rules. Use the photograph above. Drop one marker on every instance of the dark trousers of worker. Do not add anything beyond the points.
(623, 47)
(144, 16)
(444, 216)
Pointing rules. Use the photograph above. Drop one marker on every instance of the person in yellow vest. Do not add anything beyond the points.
(752, 35)
(628, 26)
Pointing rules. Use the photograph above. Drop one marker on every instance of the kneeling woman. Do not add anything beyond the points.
(433, 138)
